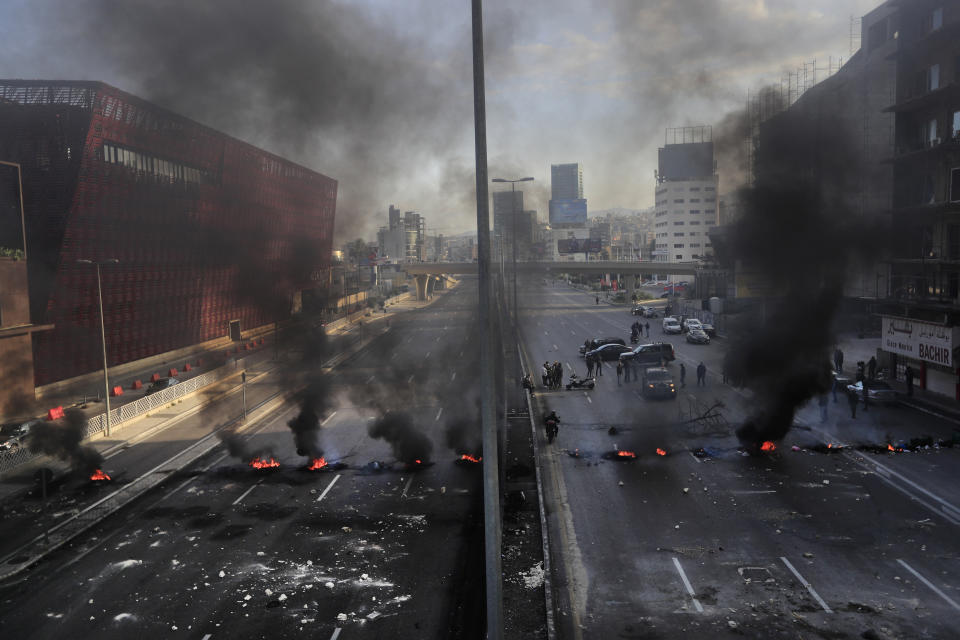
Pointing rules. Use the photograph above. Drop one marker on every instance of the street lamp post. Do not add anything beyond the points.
(513, 205)
(103, 336)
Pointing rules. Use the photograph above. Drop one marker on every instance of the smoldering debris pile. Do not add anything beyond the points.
(62, 439)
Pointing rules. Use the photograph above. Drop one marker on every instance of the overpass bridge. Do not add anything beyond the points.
(428, 274)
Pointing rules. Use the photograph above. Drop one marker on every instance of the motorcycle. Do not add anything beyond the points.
(576, 382)
(552, 425)
(634, 338)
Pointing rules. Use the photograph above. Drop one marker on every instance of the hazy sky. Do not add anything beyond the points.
(378, 93)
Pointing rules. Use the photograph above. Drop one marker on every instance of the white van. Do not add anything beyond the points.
(671, 325)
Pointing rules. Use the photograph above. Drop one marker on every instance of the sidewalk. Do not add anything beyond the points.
(861, 349)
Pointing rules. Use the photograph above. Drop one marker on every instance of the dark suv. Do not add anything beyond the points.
(658, 383)
(599, 342)
(644, 355)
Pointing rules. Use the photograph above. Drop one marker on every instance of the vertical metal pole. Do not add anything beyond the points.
(103, 340)
(243, 379)
(491, 480)
(46, 518)
(516, 313)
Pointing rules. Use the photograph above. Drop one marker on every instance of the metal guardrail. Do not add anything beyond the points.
(97, 424)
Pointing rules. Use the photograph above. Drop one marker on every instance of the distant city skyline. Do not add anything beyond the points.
(378, 94)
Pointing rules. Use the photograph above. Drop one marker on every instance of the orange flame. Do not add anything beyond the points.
(626, 454)
(317, 464)
(260, 463)
(829, 445)
(768, 446)
(890, 447)
(99, 475)
(418, 461)
(469, 458)
(661, 452)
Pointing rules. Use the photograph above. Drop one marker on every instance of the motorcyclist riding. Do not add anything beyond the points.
(552, 424)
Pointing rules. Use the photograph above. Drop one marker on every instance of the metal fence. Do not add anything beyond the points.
(97, 423)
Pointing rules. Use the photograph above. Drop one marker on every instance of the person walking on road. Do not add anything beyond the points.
(598, 366)
(647, 326)
(598, 299)
(589, 366)
(853, 400)
(872, 368)
(909, 375)
(701, 374)
(838, 360)
(683, 375)
(619, 371)
(545, 375)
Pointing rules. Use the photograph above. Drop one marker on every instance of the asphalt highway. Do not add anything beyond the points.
(366, 547)
(792, 544)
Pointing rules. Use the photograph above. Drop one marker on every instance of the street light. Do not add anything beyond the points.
(103, 335)
(513, 205)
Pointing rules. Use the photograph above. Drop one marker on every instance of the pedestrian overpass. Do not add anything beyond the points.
(429, 275)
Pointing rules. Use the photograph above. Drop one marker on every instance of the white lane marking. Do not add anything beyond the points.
(329, 486)
(407, 488)
(410, 379)
(461, 352)
(695, 457)
(437, 419)
(98, 543)
(587, 397)
(754, 492)
(806, 584)
(336, 634)
(933, 587)
(189, 480)
(453, 377)
(393, 355)
(327, 419)
(686, 583)
(556, 348)
(370, 379)
(427, 356)
(572, 332)
(207, 637)
(246, 493)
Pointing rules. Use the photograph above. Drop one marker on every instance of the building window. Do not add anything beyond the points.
(694, 199)
(710, 211)
(678, 256)
(955, 125)
(934, 20)
(678, 235)
(709, 199)
(694, 222)
(678, 223)
(709, 189)
(955, 184)
(694, 211)
(934, 77)
(694, 245)
(931, 133)
(678, 201)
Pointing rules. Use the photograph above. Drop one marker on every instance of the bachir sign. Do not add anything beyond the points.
(921, 340)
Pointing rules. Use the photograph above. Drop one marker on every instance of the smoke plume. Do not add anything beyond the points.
(406, 441)
(794, 243)
(62, 439)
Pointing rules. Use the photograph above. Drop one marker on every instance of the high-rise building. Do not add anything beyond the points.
(568, 208)
(506, 205)
(686, 196)
(394, 219)
(566, 181)
(212, 235)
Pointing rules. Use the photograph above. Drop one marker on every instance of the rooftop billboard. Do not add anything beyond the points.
(568, 211)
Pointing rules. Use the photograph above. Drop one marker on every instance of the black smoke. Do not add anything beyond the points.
(236, 445)
(63, 440)
(464, 435)
(796, 239)
(407, 442)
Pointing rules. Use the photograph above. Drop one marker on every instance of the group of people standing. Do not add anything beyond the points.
(636, 330)
(552, 375)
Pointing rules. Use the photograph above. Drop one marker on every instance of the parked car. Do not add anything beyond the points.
(161, 384)
(658, 383)
(608, 351)
(697, 336)
(651, 312)
(638, 310)
(644, 355)
(13, 435)
(708, 329)
(671, 325)
(599, 342)
(689, 324)
(877, 391)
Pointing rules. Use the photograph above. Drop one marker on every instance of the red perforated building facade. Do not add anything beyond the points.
(207, 229)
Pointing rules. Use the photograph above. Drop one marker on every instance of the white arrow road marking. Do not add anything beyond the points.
(686, 584)
(803, 581)
(246, 493)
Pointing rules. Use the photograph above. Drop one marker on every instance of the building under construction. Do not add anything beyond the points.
(211, 235)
